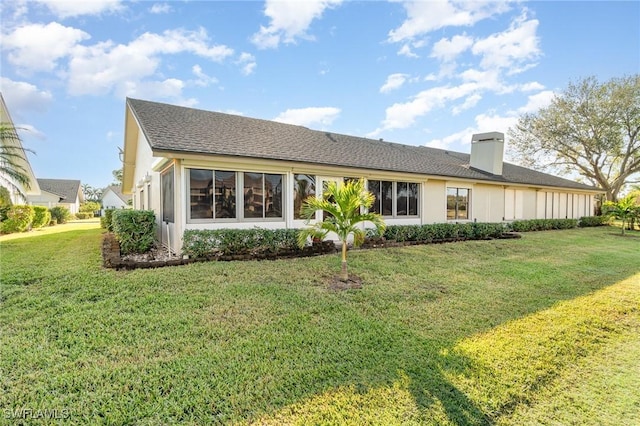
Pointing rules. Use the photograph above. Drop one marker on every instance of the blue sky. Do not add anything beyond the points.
(414, 72)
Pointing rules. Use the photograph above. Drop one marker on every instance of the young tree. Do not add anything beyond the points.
(591, 128)
(13, 174)
(345, 206)
(625, 210)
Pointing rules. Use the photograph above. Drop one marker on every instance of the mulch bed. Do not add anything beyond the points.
(156, 258)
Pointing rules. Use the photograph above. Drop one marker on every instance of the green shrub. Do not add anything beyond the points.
(19, 218)
(105, 220)
(443, 231)
(84, 215)
(53, 222)
(42, 217)
(588, 221)
(60, 214)
(542, 224)
(207, 242)
(90, 207)
(5, 202)
(134, 230)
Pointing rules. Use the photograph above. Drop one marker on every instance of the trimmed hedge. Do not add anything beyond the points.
(19, 218)
(200, 243)
(60, 214)
(41, 218)
(542, 224)
(444, 232)
(84, 215)
(134, 230)
(588, 221)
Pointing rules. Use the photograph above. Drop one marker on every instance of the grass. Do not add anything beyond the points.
(56, 229)
(538, 330)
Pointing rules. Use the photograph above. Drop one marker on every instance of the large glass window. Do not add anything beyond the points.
(215, 195)
(458, 203)
(273, 187)
(303, 186)
(225, 195)
(201, 193)
(262, 195)
(394, 198)
(166, 183)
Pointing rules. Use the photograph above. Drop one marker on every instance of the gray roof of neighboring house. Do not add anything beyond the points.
(66, 189)
(180, 129)
(117, 189)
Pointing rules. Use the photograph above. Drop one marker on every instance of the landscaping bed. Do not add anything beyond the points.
(157, 258)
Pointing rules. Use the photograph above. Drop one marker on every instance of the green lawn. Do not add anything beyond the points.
(541, 330)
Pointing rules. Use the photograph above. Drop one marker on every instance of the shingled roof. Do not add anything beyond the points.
(171, 128)
(66, 189)
(117, 189)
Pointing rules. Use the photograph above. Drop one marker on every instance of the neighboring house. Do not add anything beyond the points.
(23, 162)
(206, 170)
(113, 198)
(59, 192)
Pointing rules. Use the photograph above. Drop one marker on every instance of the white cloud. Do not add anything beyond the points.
(531, 86)
(70, 8)
(21, 96)
(469, 102)
(170, 88)
(535, 102)
(37, 47)
(247, 63)
(447, 50)
(160, 8)
(513, 49)
(426, 16)
(394, 81)
(290, 20)
(405, 50)
(203, 80)
(309, 116)
(30, 131)
(99, 68)
(492, 122)
(403, 115)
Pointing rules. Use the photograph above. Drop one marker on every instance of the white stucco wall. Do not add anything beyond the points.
(111, 201)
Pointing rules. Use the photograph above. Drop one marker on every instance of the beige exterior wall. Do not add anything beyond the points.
(561, 205)
(434, 202)
(488, 203)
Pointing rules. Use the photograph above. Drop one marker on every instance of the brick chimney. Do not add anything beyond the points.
(487, 150)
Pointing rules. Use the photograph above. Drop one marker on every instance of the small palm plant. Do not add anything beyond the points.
(625, 210)
(12, 174)
(345, 207)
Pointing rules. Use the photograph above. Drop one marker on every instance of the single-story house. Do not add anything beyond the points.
(58, 192)
(207, 170)
(113, 198)
(14, 148)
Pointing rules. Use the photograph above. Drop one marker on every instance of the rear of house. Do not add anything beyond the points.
(207, 170)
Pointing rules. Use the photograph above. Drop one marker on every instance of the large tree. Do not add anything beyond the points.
(591, 128)
(13, 175)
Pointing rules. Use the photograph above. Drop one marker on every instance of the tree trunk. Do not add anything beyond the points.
(344, 275)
